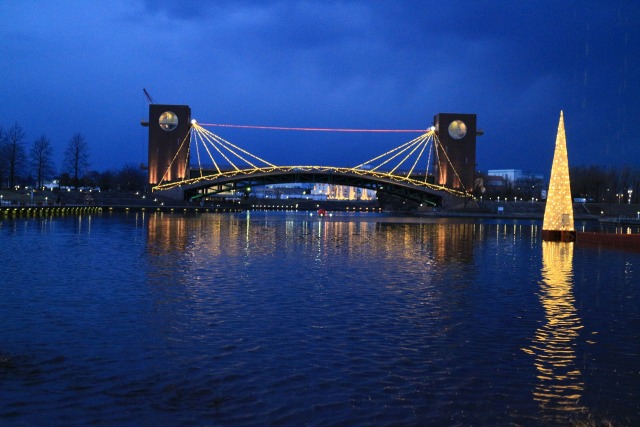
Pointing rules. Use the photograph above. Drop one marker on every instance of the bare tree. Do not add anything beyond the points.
(131, 178)
(3, 157)
(14, 151)
(41, 162)
(76, 157)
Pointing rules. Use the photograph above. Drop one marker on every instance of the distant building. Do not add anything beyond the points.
(514, 182)
(509, 175)
(343, 192)
(283, 191)
(495, 182)
(313, 192)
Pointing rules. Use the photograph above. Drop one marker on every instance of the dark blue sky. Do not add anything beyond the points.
(80, 67)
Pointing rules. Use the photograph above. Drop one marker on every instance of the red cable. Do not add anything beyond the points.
(312, 129)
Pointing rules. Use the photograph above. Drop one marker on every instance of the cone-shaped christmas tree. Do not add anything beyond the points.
(558, 214)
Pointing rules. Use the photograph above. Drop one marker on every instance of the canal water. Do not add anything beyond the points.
(268, 318)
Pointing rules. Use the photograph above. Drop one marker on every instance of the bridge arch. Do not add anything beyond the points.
(240, 180)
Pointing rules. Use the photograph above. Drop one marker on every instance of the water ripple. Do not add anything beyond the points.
(274, 319)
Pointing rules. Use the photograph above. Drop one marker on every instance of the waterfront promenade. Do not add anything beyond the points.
(49, 202)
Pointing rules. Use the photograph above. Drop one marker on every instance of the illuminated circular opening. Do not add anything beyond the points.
(457, 129)
(168, 121)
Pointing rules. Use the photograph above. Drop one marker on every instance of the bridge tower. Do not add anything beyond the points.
(456, 164)
(168, 151)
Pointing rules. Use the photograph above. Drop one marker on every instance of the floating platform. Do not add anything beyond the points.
(559, 235)
(629, 242)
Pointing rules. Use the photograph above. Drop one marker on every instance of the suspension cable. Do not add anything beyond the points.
(314, 129)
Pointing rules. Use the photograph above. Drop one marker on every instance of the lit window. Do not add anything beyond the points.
(168, 121)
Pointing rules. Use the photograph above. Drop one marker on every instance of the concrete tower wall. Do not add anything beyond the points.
(169, 127)
(456, 160)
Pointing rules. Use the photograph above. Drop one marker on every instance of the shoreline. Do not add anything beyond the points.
(596, 239)
(15, 210)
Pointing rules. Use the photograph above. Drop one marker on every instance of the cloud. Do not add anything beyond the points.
(328, 64)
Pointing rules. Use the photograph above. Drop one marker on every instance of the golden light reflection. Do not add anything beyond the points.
(207, 236)
(560, 384)
(191, 250)
(166, 233)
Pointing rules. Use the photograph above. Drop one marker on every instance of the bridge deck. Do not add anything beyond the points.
(243, 179)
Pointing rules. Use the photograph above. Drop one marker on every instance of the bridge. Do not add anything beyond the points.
(187, 161)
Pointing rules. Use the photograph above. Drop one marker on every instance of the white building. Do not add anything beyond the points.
(509, 175)
(343, 192)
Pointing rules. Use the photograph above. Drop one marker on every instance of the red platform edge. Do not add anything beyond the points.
(630, 242)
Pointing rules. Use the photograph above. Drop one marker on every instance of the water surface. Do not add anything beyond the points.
(268, 318)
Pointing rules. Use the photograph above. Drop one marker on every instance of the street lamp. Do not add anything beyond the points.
(630, 191)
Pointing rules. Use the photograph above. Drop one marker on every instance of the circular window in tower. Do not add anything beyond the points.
(168, 121)
(457, 129)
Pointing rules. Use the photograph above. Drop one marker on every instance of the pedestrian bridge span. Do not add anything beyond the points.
(234, 181)
(403, 171)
